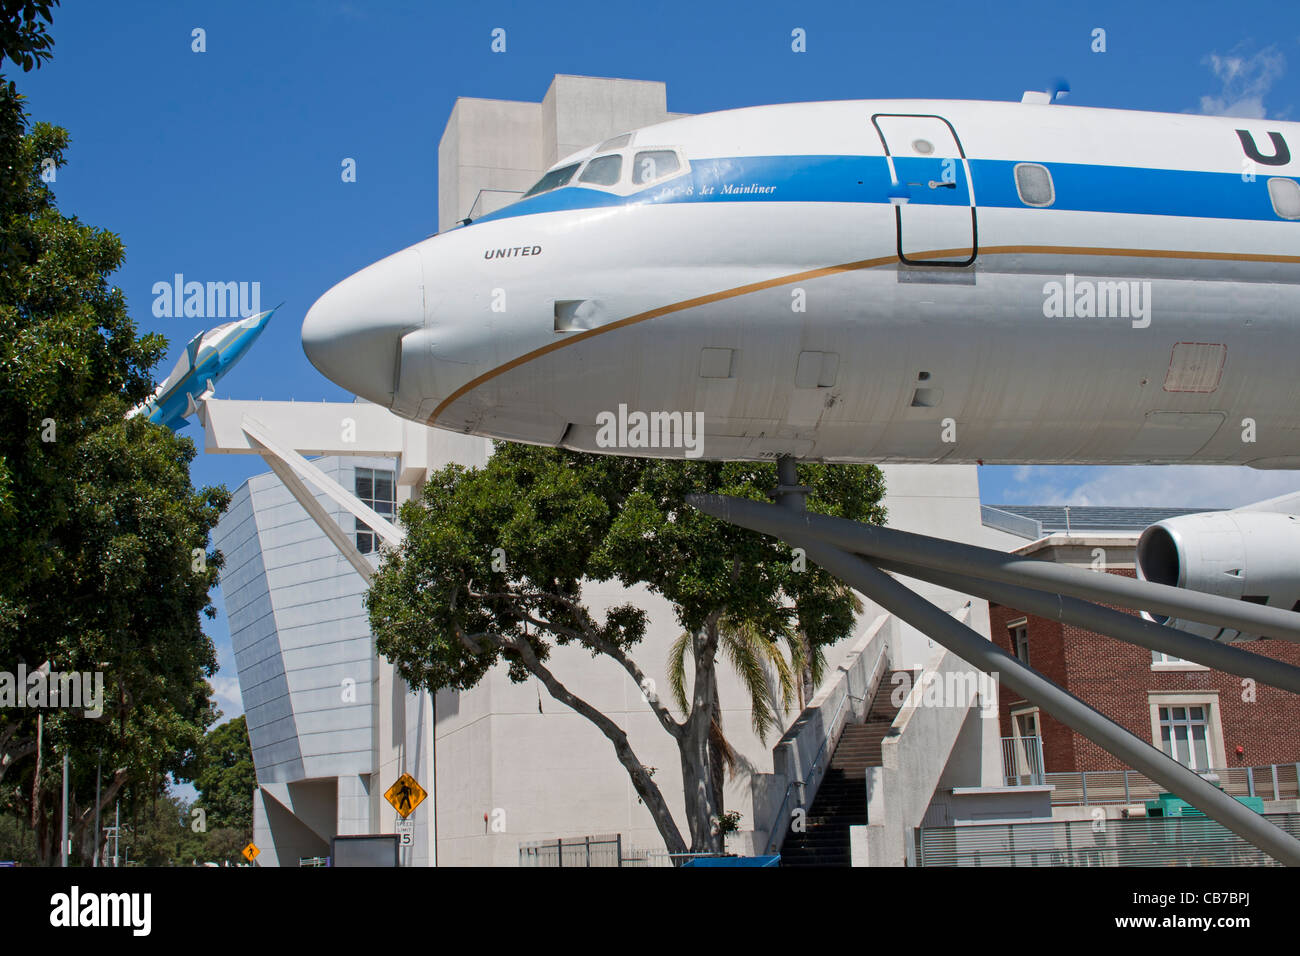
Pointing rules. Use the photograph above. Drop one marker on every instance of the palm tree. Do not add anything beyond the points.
(809, 661)
(751, 650)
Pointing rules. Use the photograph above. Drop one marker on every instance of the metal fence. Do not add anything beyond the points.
(1269, 782)
(1022, 761)
(604, 850)
(1154, 841)
(599, 851)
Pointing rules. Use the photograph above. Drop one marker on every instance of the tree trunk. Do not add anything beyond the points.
(645, 786)
(11, 750)
(82, 823)
(806, 689)
(717, 765)
(697, 774)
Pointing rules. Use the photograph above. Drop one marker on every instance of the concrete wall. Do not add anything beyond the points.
(581, 111)
(493, 150)
(488, 145)
(538, 770)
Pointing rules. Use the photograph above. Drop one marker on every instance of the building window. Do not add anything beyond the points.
(1020, 641)
(1167, 662)
(377, 488)
(1026, 723)
(1026, 753)
(1185, 735)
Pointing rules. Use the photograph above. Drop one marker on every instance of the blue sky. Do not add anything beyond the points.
(225, 165)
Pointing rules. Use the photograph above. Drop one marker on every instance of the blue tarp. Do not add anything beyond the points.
(734, 861)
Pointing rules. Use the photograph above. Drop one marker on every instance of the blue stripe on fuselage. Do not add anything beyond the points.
(1079, 187)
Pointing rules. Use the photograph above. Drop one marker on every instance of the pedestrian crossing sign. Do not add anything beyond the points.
(405, 795)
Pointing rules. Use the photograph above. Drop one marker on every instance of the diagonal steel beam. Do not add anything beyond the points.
(916, 549)
(1123, 627)
(261, 436)
(976, 650)
(324, 520)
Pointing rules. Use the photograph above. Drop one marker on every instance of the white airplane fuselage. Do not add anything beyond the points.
(866, 281)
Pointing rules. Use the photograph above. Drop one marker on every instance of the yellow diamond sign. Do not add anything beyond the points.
(405, 795)
(250, 852)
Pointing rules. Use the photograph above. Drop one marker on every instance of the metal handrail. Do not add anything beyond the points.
(1034, 756)
(785, 799)
(1277, 776)
(812, 768)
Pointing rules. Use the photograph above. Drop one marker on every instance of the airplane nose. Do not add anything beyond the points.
(354, 331)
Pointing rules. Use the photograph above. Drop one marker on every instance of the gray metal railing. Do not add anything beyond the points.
(814, 770)
(1140, 841)
(490, 200)
(1015, 524)
(1091, 787)
(598, 851)
(1022, 761)
(780, 819)
(662, 858)
(585, 851)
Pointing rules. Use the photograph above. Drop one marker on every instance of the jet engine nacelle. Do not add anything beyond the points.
(1244, 555)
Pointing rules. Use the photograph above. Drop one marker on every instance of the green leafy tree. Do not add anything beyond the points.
(226, 780)
(24, 39)
(160, 834)
(131, 582)
(104, 566)
(445, 608)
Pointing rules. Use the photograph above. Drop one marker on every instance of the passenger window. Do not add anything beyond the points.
(603, 170)
(653, 164)
(553, 180)
(1285, 194)
(1034, 184)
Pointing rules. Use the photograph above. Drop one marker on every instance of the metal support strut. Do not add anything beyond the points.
(821, 542)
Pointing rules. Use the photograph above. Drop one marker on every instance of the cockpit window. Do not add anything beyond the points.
(652, 164)
(618, 142)
(553, 180)
(603, 170)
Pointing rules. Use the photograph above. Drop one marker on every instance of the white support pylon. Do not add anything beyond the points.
(291, 468)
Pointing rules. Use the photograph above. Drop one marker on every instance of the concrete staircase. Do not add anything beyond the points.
(841, 800)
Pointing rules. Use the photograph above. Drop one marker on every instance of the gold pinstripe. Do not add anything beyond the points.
(834, 270)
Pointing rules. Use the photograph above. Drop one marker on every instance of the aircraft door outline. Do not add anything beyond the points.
(931, 173)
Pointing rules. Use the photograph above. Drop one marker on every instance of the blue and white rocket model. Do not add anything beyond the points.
(207, 357)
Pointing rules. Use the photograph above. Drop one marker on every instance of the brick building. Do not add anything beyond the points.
(1207, 719)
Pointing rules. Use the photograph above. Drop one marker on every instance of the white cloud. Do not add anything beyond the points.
(228, 697)
(1152, 486)
(1245, 79)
